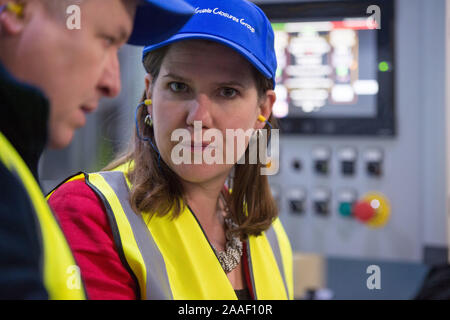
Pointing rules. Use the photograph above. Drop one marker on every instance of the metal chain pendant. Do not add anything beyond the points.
(231, 257)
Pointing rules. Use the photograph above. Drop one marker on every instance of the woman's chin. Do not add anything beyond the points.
(198, 173)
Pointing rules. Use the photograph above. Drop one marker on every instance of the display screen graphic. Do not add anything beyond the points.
(326, 67)
(335, 67)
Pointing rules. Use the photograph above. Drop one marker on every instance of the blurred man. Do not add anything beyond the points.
(51, 77)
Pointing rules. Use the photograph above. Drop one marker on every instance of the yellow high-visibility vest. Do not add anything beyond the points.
(60, 273)
(172, 258)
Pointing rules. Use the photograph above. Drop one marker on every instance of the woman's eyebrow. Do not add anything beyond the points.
(231, 83)
(219, 83)
(175, 76)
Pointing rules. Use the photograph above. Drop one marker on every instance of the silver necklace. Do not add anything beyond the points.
(231, 257)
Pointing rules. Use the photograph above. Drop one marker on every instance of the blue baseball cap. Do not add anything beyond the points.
(157, 20)
(238, 24)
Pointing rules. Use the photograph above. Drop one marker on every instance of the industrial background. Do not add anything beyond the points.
(363, 176)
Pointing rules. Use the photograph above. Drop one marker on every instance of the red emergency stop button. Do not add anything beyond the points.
(373, 209)
(363, 211)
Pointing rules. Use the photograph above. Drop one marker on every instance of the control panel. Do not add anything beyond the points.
(342, 198)
(362, 169)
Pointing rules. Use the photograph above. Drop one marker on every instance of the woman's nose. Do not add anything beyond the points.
(200, 110)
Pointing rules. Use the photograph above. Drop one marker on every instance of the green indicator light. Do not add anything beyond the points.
(278, 26)
(342, 71)
(345, 209)
(383, 66)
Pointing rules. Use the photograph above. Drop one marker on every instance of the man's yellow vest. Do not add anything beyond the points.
(60, 274)
(172, 258)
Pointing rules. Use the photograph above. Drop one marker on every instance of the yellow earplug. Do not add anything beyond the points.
(15, 8)
(262, 118)
(148, 102)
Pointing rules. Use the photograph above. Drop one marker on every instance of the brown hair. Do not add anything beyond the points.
(157, 188)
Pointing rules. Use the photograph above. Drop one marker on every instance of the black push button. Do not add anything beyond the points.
(322, 207)
(297, 206)
(348, 168)
(321, 167)
(374, 168)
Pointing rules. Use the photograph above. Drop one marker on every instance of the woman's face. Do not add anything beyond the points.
(207, 82)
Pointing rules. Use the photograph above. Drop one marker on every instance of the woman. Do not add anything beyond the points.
(155, 227)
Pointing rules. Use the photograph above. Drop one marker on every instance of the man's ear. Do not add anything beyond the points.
(12, 23)
(266, 106)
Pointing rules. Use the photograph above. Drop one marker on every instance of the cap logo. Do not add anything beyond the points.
(225, 15)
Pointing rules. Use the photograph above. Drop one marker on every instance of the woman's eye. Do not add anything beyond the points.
(228, 92)
(178, 87)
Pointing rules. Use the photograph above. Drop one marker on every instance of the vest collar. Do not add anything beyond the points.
(172, 259)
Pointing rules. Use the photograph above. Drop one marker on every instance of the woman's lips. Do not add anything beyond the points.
(195, 147)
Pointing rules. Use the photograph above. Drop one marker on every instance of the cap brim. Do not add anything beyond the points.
(157, 20)
(190, 36)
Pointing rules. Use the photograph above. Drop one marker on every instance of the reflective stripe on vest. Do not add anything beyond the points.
(172, 258)
(61, 274)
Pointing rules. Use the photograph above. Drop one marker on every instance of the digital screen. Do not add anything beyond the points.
(327, 68)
